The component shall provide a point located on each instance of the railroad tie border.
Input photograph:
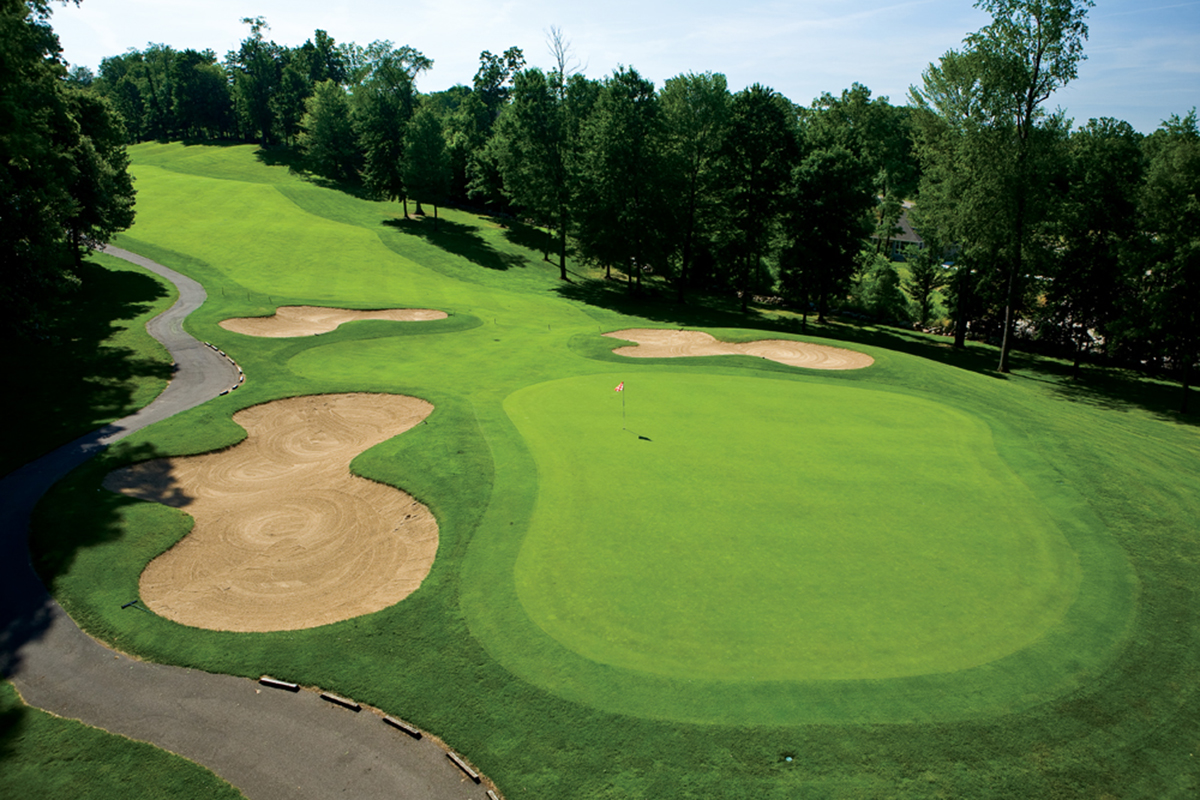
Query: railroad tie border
(274, 683)
(463, 765)
(241, 375)
(344, 702)
(402, 725)
(411, 730)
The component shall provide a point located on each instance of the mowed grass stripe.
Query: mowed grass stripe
(267, 245)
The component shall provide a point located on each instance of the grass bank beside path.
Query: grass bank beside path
(44, 756)
(1045, 527)
(93, 364)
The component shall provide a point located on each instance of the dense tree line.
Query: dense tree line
(1083, 241)
(64, 187)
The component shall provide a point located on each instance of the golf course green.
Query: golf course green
(732, 579)
(690, 553)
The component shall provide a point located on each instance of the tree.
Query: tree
(63, 184)
(426, 165)
(465, 124)
(759, 153)
(321, 60)
(619, 169)
(257, 69)
(1169, 208)
(696, 114)
(202, 103)
(826, 224)
(879, 135)
(988, 102)
(287, 104)
(532, 154)
(101, 188)
(493, 79)
(361, 63)
(925, 276)
(1095, 229)
(327, 136)
(876, 290)
(383, 106)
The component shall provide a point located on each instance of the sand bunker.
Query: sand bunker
(285, 537)
(312, 320)
(670, 343)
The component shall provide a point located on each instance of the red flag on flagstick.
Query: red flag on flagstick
(620, 387)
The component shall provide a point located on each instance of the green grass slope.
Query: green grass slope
(916, 580)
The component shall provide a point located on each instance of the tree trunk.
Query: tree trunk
(562, 246)
(960, 312)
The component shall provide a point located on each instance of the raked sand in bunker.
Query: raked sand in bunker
(672, 343)
(285, 536)
(289, 321)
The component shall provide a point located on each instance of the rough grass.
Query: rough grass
(1106, 702)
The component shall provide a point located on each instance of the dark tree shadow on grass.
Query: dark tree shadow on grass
(70, 381)
(527, 236)
(73, 515)
(460, 240)
(297, 164)
(13, 721)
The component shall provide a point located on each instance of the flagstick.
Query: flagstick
(622, 406)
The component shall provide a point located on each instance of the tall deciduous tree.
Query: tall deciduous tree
(760, 150)
(879, 135)
(493, 80)
(426, 164)
(102, 195)
(826, 223)
(926, 275)
(1097, 224)
(619, 170)
(696, 114)
(327, 136)
(1170, 217)
(988, 101)
(532, 150)
(257, 68)
(202, 104)
(383, 107)
(63, 184)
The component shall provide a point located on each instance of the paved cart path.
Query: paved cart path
(268, 742)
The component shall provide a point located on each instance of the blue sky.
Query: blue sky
(1143, 57)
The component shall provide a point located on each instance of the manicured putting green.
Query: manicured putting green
(750, 529)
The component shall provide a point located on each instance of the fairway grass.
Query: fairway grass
(911, 580)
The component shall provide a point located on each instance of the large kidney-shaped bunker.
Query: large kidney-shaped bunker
(285, 537)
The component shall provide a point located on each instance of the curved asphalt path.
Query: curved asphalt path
(267, 742)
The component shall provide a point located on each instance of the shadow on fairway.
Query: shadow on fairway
(527, 236)
(68, 377)
(1106, 388)
(458, 239)
(77, 513)
(13, 721)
